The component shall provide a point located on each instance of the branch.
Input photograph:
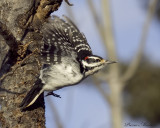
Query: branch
(68, 3)
(96, 19)
(57, 118)
(109, 41)
(106, 33)
(107, 30)
(98, 85)
(134, 64)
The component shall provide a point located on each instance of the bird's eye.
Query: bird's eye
(97, 60)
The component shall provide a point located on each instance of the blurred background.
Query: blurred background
(126, 94)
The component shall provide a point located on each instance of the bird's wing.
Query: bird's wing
(78, 40)
(62, 38)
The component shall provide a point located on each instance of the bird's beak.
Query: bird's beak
(108, 62)
(103, 61)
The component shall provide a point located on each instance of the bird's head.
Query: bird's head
(93, 63)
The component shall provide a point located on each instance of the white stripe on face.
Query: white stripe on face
(93, 57)
(90, 72)
(94, 64)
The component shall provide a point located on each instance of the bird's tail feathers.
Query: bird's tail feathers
(32, 95)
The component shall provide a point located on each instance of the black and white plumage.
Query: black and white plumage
(66, 57)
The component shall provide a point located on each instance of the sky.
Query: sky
(82, 106)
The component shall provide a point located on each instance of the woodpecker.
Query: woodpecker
(66, 58)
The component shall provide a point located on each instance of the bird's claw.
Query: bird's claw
(53, 94)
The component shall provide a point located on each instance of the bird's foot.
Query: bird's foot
(53, 94)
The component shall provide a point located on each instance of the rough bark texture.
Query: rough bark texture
(20, 25)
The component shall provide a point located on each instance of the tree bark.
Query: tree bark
(20, 37)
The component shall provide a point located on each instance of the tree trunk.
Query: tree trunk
(20, 24)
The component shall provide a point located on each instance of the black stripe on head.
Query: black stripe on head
(93, 59)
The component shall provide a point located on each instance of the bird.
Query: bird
(66, 59)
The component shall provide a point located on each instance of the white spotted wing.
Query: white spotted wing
(62, 38)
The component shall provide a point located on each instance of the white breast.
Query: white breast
(60, 75)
